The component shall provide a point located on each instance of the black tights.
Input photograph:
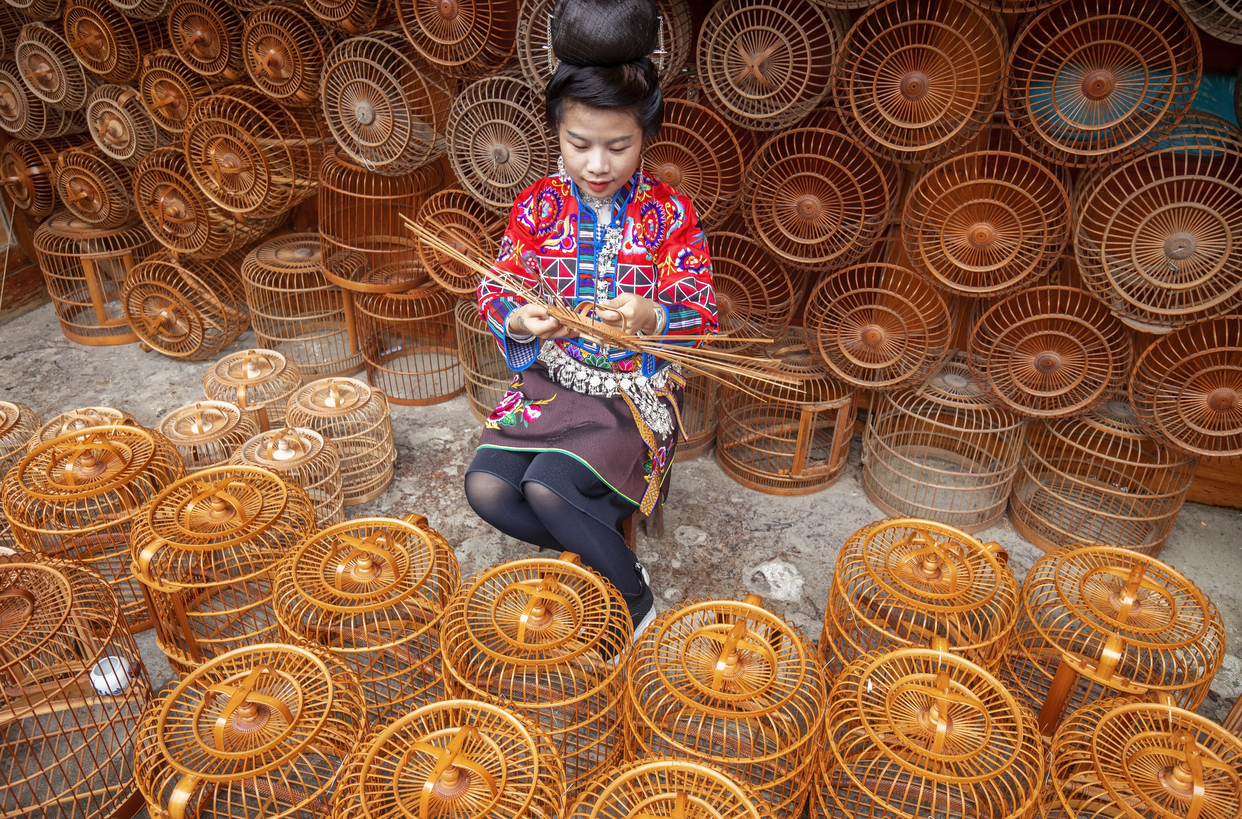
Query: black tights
(555, 502)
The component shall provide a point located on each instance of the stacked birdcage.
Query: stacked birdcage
(93, 189)
(259, 382)
(409, 343)
(18, 423)
(207, 433)
(304, 457)
(667, 787)
(483, 365)
(169, 87)
(77, 420)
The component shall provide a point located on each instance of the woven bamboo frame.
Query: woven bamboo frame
(905, 582)
(142, 9)
(169, 88)
(1104, 81)
(460, 754)
(286, 718)
(942, 451)
(29, 172)
(373, 592)
(18, 423)
(731, 684)
(1099, 622)
(409, 344)
(1099, 478)
(50, 69)
(94, 190)
(295, 309)
(25, 116)
(109, 44)
(121, 125)
(507, 641)
(186, 309)
(207, 37)
(456, 216)
(76, 421)
(697, 154)
(353, 17)
(207, 433)
(11, 22)
(357, 419)
(667, 787)
(483, 363)
(754, 293)
(466, 39)
(77, 495)
(959, 742)
(205, 550)
(258, 381)
(700, 417)
(39, 10)
(1220, 18)
(285, 48)
(302, 456)
(69, 740)
(85, 270)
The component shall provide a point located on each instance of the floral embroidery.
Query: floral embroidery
(656, 460)
(515, 407)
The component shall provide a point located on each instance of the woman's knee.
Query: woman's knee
(487, 494)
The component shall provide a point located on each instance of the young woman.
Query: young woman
(585, 435)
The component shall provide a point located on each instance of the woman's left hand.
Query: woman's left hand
(628, 312)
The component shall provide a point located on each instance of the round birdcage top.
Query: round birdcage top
(78, 420)
(37, 9)
(754, 294)
(90, 462)
(456, 216)
(18, 423)
(248, 368)
(200, 423)
(38, 596)
(29, 172)
(64, 234)
(24, 115)
(50, 69)
(285, 47)
(104, 40)
(953, 385)
(120, 125)
(207, 37)
(697, 154)
(667, 787)
(464, 38)
(282, 449)
(297, 253)
(169, 89)
(93, 189)
(791, 355)
(333, 397)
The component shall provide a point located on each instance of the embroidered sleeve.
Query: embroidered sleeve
(518, 257)
(684, 278)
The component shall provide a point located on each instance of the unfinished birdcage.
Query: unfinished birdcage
(259, 731)
(304, 457)
(754, 294)
(1098, 622)
(1101, 81)
(546, 639)
(483, 364)
(295, 309)
(181, 217)
(786, 440)
(108, 43)
(28, 170)
(121, 125)
(74, 693)
(187, 309)
(733, 685)
(466, 39)
(373, 592)
(85, 270)
(409, 344)
(1099, 478)
(25, 116)
(1050, 352)
(497, 140)
(921, 732)
(206, 549)
(700, 416)
(697, 154)
(169, 88)
(904, 582)
(816, 199)
(1220, 18)
(464, 758)
(77, 495)
(387, 109)
(18, 423)
(251, 155)
(986, 223)
(76, 421)
(942, 450)
(207, 433)
(207, 36)
(356, 418)
(1186, 389)
(457, 217)
(258, 381)
(94, 190)
(766, 66)
(50, 69)
(360, 219)
(285, 48)
(878, 326)
(667, 787)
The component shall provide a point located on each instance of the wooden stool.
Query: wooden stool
(653, 525)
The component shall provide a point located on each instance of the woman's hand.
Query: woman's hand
(532, 319)
(628, 312)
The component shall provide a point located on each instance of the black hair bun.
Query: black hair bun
(604, 32)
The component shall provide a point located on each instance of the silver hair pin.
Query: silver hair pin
(547, 46)
(659, 53)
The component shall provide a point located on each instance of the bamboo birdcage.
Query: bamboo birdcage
(373, 592)
(85, 270)
(387, 109)
(768, 65)
(11, 22)
(258, 381)
(259, 731)
(905, 582)
(74, 693)
(497, 141)
(28, 172)
(76, 421)
(409, 344)
(304, 457)
(207, 433)
(185, 308)
(169, 88)
(1101, 81)
(942, 450)
(921, 732)
(353, 17)
(23, 115)
(667, 787)
(754, 293)
(142, 9)
(816, 199)
(697, 154)
(1050, 352)
(18, 423)
(285, 48)
(207, 36)
(356, 418)
(360, 219)
(77, 495)
(781, 440)
(733, 685)
(1220, 18)
(295, 309)
(539, 637)
(1099, 478)
(1186, 388)
(121, 125)
(483, 364)
(466, 39)
(456, 216)
(700, 417)
(1099, 622)
(50, 69)
(453, 756)
(179, 215)
(38, 10)
(94, 190)
(205, 551)
(251, 155)
(108, 43)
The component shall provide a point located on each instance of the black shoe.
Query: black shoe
(642, 607)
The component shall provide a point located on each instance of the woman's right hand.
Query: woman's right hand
(532, 319)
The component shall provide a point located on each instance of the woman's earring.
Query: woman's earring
(560, 169)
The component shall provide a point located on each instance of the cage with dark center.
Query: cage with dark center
(93, 189)
(483, 366)
(258, 381)
(304, 457)
(409, 344)
(285, 48)
(466, 39)
(23, 115)
(75, 421)
(207, 433)
(457, 217)
(50, 69)
(207, 36)
(28, 172)
(169, 88)
(18, 423)
(107, 42)
(373, 592)
(667, 787)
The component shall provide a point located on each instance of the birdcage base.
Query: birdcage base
(108, 554)
(1096, 516)
(414, 376)
(915, 470)
(763, 461)
(690, 448)
(74, 321)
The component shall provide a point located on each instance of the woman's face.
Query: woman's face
(602, 148)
